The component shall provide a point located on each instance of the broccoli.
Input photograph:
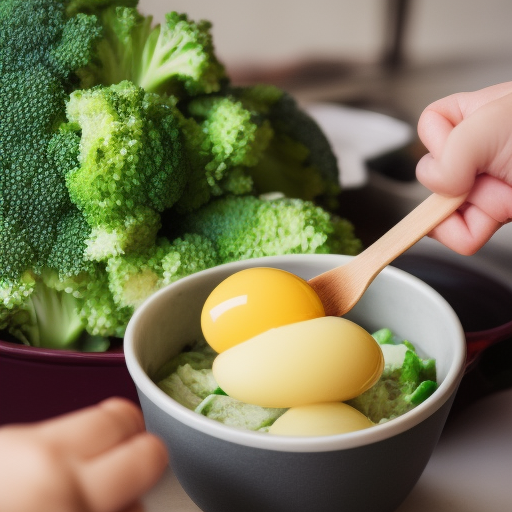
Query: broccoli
(256, 140)
(132, 278)
(41, 51)
(298, 161)
(36, 66)
(99, 312)
(46, 314)
(176, 57)
(180, 53)
(407, 380)
(250, 227)
(223, 139)
(130, 166)
(128, 161)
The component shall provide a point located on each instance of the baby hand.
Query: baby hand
(469, 137)
(99, 459)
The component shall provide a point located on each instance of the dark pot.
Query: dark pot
(38, 383)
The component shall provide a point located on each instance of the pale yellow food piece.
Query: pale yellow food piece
(327, 359)
(324, 419)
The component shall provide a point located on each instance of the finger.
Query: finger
(435, 125)
(93, 430)
(493, 196)
(454, 170)
(466, 233)
(119, 477)
(488, 208)
(479, 144)
(439, 118)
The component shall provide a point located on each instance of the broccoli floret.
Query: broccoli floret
(118, 54)
(132, 165)
(98, 310)
(233, 136)
(174, 58)
(44, 316)
(223, 139)
(249, 227)
(134, 277)
(188, 254)
(179, 54)
(299, 160)
(256, 140)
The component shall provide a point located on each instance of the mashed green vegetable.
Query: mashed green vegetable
(407, 380)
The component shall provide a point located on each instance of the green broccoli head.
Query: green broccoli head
(41, 310)
(131, 165)
(249, 227)
(299, 160)
(38, 66)
(133, 278)
(256, 140)
(176, 57)
(179, 55)
(223, 139)
(118, 53)
(13, 296)
(100, 313)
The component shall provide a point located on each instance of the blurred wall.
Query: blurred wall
(273, 31)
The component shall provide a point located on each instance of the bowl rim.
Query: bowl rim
(159, 398)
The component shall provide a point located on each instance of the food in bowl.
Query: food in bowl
(406, 381)
(278, 349)
(278, 364)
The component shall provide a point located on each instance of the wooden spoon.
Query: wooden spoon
(339, 289)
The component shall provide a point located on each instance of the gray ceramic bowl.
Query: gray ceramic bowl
(228, 470)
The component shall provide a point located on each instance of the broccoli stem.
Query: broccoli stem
(52, 319)
(165, 60)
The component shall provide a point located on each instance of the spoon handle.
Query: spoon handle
(340, 288)
(412, 228)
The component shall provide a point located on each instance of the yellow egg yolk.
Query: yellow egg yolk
(253, 301)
